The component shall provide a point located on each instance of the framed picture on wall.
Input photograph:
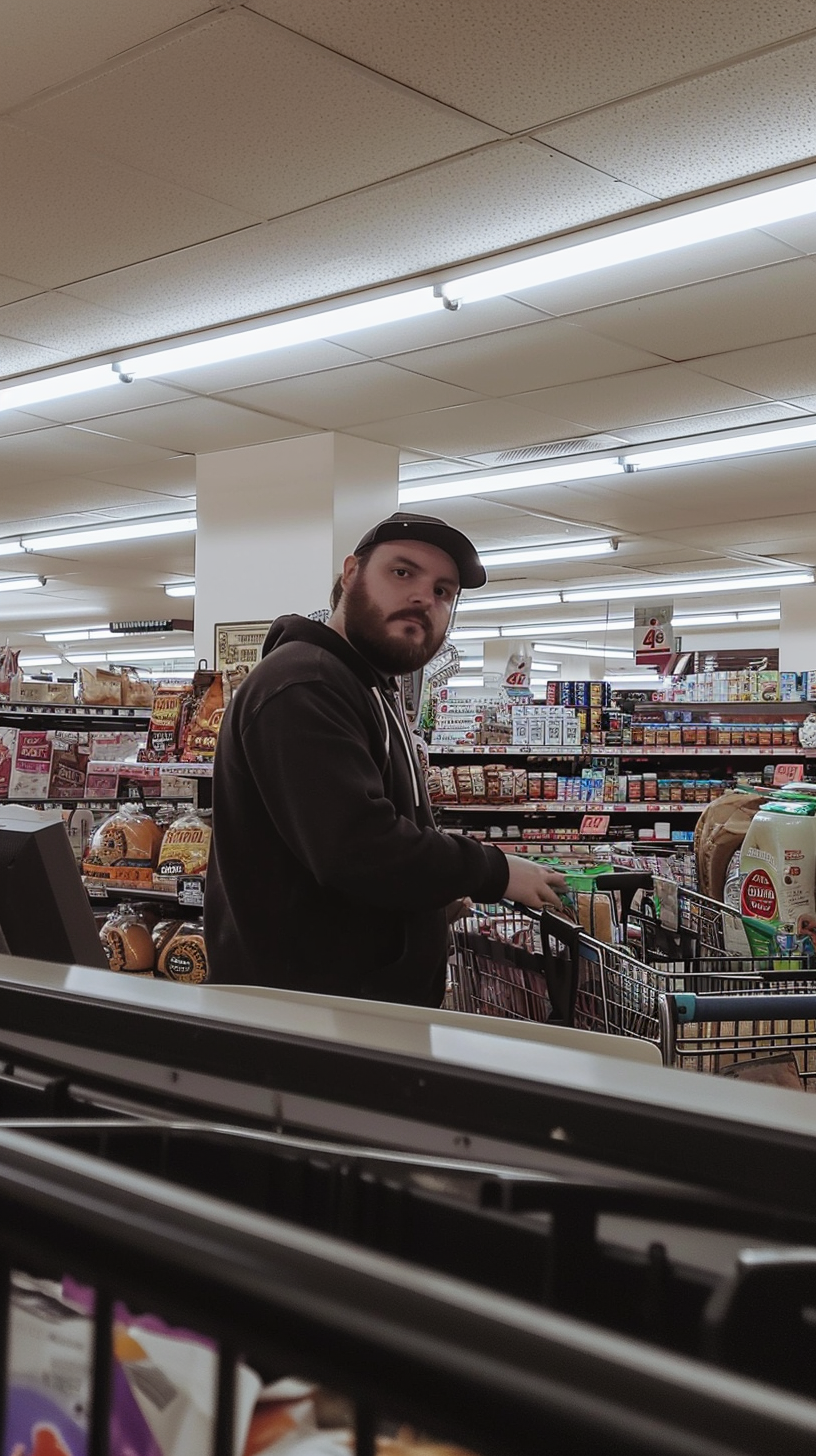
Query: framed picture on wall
(239, 644)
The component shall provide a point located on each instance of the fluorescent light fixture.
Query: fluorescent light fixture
(473, 634)
(39, 661)
(539, 667)
(457, 485)
(151, 654)
(633, 679)
(519, 555)
(575, 624)
(725, 619)
(465, 682)
(328, 324)
(21, 583)
(181, 672)
(643, 240)
(97, 535)
(746, 444)
(86, 656)
(59, 386)
(688, 586)
(11, 548)
(511, 600)
(77, 634)
(585, 649)
(181, 589)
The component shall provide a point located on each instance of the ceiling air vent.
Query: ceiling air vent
(524, 454)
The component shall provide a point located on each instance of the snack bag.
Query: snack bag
(50, 1358)
(204, 714)
(163, 734)
(32, 765)
(186, 845)
(69, 765)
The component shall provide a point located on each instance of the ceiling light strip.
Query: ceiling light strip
(687, 586)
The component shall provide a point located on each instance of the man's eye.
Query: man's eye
(401, 570)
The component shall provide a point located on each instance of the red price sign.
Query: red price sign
(788, 773)
(594, 824)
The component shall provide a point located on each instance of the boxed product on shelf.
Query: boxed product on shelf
(31, 690)
(8, 749)
(31, 769)
(69, 765)
(116, 746)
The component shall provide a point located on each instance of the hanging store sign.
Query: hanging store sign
(239, 644)
(655, 642)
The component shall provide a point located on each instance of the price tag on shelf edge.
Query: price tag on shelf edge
(594, 824)
(191, 891)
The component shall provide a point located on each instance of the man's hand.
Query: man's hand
(533, 884)
(458, 909)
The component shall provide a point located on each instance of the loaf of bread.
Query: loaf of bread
(127, 942)
(127, 837)
(184, 956)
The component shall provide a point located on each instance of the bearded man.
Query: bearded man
(327, 872)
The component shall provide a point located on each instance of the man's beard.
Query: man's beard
(367, 630)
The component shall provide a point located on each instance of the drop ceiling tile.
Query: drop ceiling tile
(174, 477)
(783, 370)
(67, 449)
(496, 198)
(219, 95)
(276, 364)
(17, 422)
(99, 402)
(530, 357)
(339, 398)
(85, 214)
(492, 424)
(45, 45)
(759, 307)
(198, 426)
(665, 392)
(693, 264)
(806, 402)
(735, 121)
(59, 501)
(17, 356)
(728, 419)
(799, 233)
(11, 289)
(528, 62)
(67, 325)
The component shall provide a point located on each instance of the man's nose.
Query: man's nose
(421, 591)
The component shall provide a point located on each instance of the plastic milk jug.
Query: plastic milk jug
(778, 866)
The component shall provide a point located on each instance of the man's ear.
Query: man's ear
(351, 566)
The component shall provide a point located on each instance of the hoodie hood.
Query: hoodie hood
(303, 629)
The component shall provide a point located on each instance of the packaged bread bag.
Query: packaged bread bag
(184, 955)
(127, 941)
(124, 850)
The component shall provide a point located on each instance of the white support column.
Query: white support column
(276, 521)
(797, 628)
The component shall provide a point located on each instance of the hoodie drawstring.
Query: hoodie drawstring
(386, 708)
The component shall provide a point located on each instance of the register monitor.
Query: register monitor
(44, 910)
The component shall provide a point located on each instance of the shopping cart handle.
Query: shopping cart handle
(626, 883)
(744, 1008)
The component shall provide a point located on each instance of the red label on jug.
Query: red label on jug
(759, 896)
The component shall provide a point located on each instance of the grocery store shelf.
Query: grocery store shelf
(502, 750)
(150, 770)
(74, 710)
(574, 806)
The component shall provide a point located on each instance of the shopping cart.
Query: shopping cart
(499, 966)
(762, 1037)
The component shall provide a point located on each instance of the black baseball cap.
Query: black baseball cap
(404, 527)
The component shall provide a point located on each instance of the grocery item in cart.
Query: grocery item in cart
(778, 866)
(720, 830)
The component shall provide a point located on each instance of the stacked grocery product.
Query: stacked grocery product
(186, 717)
(744, 686)
(741, 734)
(498, 784)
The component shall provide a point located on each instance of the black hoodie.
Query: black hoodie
(327, 872)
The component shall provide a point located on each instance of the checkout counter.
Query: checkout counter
(506, 1238)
